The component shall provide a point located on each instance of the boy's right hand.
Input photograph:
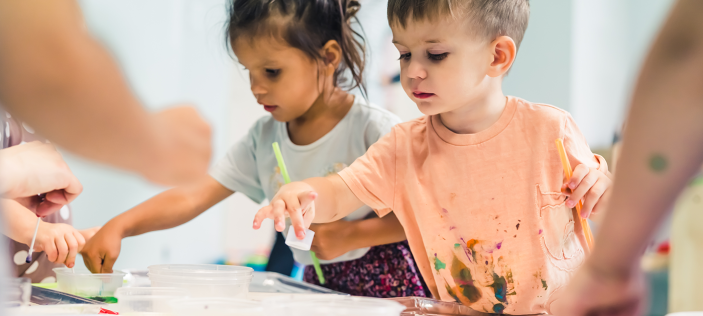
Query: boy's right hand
(295, 200)
(60, 242)
(101, 251)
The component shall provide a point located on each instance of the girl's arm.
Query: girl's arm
(337, 238)
(166, 210)
(332, 198)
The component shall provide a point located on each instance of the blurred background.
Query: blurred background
(579, 55)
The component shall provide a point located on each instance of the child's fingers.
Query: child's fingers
(279, 215)
(580, 191)
(92, 261)
(50, 250)
(80, 239)
(261, 215)
(577, 176)
(593, 196)
(72, 243)
(107, 263)
(308, 206)
(62, 249)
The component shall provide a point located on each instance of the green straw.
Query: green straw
(286, 179)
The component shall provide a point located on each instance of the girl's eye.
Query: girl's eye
(273, 72)
(437, 57)
(405, 56)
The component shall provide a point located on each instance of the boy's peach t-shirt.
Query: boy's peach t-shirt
(483, 213)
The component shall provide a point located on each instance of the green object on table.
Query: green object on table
(50, 286)
(286, 179)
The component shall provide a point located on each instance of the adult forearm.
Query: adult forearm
(663, 141)
(52, 67)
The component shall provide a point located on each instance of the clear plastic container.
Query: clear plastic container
(217, 307)
(17, 292)
(203, 280)
(100, 286)
(148, 300)
(312, 305)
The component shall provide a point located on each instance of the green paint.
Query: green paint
(544, 284)
(457, 246)
(697, 181)
(104, 299)
(438, 264)
(498, 308)
(658, 163)
(462, 278)
(451, 292)
(500, 287)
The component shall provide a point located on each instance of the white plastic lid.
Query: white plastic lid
(201, 270)
(331, 305)
(293, 241)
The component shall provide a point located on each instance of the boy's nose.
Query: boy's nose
(256, 88)
(416, 70)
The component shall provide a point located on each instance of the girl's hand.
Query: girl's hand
(60, 242)
(589, 184)
(102, 250)
(295, 200)
(89, 233)
(332, 239)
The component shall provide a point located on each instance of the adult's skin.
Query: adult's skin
(662, 150)
(36, 167)
(61, 82)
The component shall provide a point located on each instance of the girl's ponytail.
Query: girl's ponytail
(353, 44)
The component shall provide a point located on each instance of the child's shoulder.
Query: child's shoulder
(540, 112)
(373, 114)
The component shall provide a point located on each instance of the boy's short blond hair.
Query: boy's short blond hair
(491, 18)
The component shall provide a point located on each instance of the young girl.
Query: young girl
(296, 52)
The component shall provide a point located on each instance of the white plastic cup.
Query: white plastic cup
(293, 241)
(148, 300)
(203, 280)
(217, 307)
(82, 283)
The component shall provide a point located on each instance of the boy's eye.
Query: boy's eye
(437, 57)
(405, 56)
(273, 72)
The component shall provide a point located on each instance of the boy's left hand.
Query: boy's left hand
(590, 185)
(331, 239)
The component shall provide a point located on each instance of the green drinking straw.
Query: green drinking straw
(286, 179)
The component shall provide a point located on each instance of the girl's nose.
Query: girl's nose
(256, 88)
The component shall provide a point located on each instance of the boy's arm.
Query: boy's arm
(321, 200)
(166, 210)
(662, 150)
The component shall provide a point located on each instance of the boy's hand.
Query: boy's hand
(590, 185)
(101, 252)
(296, 200)
(60, 242)
(89, 233)
(332, 239)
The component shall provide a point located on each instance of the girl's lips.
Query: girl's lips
(270, 108)
(422, 95)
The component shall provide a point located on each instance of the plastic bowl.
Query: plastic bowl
(292, 305)
(99, 286)
(203, 280)
(217, 307)
(17, 292)
(145, 300)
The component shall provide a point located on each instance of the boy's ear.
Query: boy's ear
(504, 51)
(332, 55)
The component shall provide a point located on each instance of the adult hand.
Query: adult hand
(184, 147)
(595, 292)
(36, 168)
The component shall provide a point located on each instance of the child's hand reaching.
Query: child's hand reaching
(590, 185)
(102, 249)
(60, 242)
(332, 239)
(295, 200)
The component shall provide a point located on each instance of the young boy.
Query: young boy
(477, 183)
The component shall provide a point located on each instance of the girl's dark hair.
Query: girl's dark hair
(306, 25)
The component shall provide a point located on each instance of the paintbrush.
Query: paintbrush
(42, 198)
(286, 179)
(569, 173)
